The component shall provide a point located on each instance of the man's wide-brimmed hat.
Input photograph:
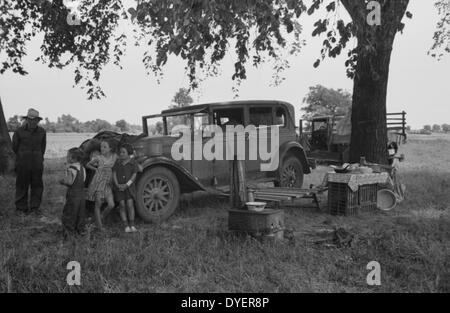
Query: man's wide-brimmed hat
(32, 114)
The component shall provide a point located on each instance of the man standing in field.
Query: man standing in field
(29, 142)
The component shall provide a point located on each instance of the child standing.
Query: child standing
(73, 216)
(124, 175)
(100, 188)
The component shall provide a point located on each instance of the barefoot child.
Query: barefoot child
(73, 216)
(124, 175)
(100, 188)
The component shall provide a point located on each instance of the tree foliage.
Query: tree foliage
(202, 32)
(69, 124)
(442, 35)
(123, 126)
(436, 128)
(182, 98)
(198, 31)
(13, 123)
(89, 46)
(326, 101)
(445, 128)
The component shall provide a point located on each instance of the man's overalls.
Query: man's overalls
(73, 217)
(29, 147)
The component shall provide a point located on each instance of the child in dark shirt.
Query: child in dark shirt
(73, 215)
(124, 176)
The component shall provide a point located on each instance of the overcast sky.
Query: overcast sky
(418, 83)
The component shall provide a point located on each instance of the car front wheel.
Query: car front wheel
(157, 194)
(291, 173)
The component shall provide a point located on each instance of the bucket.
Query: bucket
(256, 206)
(386, 200)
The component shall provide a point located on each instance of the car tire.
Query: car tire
(290, 173)
(157, 194)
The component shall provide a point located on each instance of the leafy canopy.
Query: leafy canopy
(442, 35)
(201, 32)
(326, 101)
(198, 31)
(182, 98)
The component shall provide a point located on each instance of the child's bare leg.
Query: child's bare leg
(111, 205)
(98, 216)
(123, 214)
(130, 209)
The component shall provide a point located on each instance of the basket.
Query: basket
(343, 201)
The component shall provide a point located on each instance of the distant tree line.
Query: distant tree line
(429, 129)
(436, 128)
(69, 124)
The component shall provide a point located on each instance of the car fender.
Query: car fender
(188, 182)
(296, 149)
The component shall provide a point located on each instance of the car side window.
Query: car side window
(230, 116)
(261, 116)
(280, 117)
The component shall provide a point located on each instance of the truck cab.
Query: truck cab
(326, 138)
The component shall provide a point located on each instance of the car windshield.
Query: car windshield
(155, 126)
(177, 121)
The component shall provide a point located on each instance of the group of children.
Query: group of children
(114, 180)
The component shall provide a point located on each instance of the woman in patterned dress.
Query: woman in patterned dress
(100, 188)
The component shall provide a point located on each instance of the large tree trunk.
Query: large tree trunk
(369, 132)
(6, 153)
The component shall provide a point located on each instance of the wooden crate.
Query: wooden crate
(260, 223)
(344, 201)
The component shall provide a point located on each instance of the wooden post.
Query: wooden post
(404, 123)
(233, 200)
(242, 182)
(238, 186)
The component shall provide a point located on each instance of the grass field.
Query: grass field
(194, 252)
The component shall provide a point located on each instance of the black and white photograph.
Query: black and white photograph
(224, 153)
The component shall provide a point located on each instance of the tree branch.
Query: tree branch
(356, 9)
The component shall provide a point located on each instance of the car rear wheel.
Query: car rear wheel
(291, 173)
(157, 194)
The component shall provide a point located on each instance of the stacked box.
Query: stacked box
(343, 201)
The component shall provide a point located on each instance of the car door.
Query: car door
(260, 117)
(200, 166)
(286, 127)
(223, 117)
